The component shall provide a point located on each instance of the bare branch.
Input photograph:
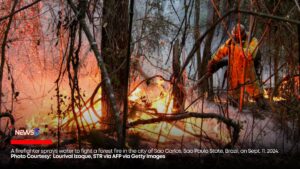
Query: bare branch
(168, 118)
(19, 10)
(297, 4)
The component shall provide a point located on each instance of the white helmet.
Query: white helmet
(238, 31)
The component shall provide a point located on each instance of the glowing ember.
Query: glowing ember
(277, 98)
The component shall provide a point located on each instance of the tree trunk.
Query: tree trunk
(208, 83)
(178, 91)
(114, 44)
(276, 62)
(107, 86)
(197, 36)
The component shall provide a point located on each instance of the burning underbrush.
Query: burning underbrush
(153, 123)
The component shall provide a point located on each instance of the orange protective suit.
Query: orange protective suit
(238, 58)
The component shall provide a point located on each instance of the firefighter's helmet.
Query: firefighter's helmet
(238, 31)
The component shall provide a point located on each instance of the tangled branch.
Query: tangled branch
(166, 118)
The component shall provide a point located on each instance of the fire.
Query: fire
(164, 104)
(88, 117)
(136, 94)
(157, 97)
(275, 98)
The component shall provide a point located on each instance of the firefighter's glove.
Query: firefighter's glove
(211, 67)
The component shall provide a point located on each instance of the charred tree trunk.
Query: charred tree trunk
(178, 86)
(298, 30)
(178, 91)
(276, 62)
(208, 83)
(127, 77)
(107, 85)
(114, 44)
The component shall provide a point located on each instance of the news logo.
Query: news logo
(36, 132)
(23, 132)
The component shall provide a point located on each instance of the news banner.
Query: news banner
(152, 153)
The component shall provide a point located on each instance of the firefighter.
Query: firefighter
(241, 72)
